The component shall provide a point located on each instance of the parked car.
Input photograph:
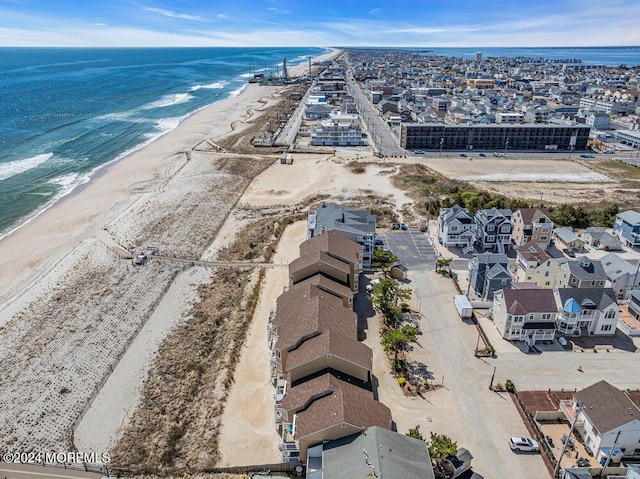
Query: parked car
(418, 152)
(569, 252)
(395, 226)
(463, 155)
(482, 155)
(524, 444)
(403, 226)
(587, 156)
(379, 241)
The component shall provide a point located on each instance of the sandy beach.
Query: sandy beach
(80, 325)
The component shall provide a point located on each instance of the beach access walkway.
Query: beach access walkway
(213, 264)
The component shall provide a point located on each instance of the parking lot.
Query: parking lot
(411, 247)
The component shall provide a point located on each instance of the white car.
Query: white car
(523, 444)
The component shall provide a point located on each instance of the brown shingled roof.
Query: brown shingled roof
(314, 257)
(532, 252)
(288, 301)
(335, 243)
(314, 315)
(524, 301)
(606, 406)
(324, 283)
(529, 215)
(347, 403)
(333, 343)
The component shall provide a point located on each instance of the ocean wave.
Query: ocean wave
(67, 184)
(210, 86)
(12, 168)
(168, 100)
(236, 92)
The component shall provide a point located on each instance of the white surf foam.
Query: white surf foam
(168, 100)
(211, 86)
(12, 168)
(235, 93)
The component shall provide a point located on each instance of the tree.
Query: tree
(440, 447)
(383, 260)
(414, 432)
(396, 340)
(443, 263)
(385, 296)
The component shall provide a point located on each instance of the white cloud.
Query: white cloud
(169, 13)
(278, 10)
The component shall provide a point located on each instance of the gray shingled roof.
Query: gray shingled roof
(457, 212)
(333, 216)
(630, 216)
(498, 271)
(607, 407)
(586, 269)
(601, 297)
(393, 456)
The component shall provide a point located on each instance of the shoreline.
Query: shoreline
(87, 178)
(51, 298)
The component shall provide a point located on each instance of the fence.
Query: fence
(256, 468)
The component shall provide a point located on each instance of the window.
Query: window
(490, 227)
(606, 327)
(546, 274)
(546, 316)
(530, 315)
(610, 314)
(454, 228)
(528, 278)
(547, 283)
(543, 237)
(503, 282)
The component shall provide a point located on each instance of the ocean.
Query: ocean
(64, 112)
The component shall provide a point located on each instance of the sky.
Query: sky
(417, 23)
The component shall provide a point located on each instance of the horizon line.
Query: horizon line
(311, 46)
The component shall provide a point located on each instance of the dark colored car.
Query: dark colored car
(395, 226)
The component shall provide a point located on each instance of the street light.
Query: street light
(506, 145)
(441, 142)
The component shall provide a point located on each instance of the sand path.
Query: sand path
(248, 435)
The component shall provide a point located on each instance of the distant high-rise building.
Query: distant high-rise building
(478, 57)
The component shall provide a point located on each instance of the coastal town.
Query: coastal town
(378, 263)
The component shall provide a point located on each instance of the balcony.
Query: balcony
(566, 407)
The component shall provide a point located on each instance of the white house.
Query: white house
(456, 227)
(525, 314)
(587, 311)
(605, 415)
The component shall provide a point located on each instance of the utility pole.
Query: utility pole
(606, 463)
(566, 442)
(492, 377)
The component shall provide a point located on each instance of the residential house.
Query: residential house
(599, 238)
(627, 227)
(332, 132)
(534, 265)
(489, 272)
(634, 303)
(493, 229)
(525, 314)
(300, 318)
(329, 285)
(587, 311)
(606, 417)
(373, 452)
(332, 254)
(531, 224)
(621, 275)
(357, 225)
(582, 273)
(456, 227)
(328, 407)
(566, 238)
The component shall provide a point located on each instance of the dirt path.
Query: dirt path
(248, 434)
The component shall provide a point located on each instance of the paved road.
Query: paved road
(385, 141)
